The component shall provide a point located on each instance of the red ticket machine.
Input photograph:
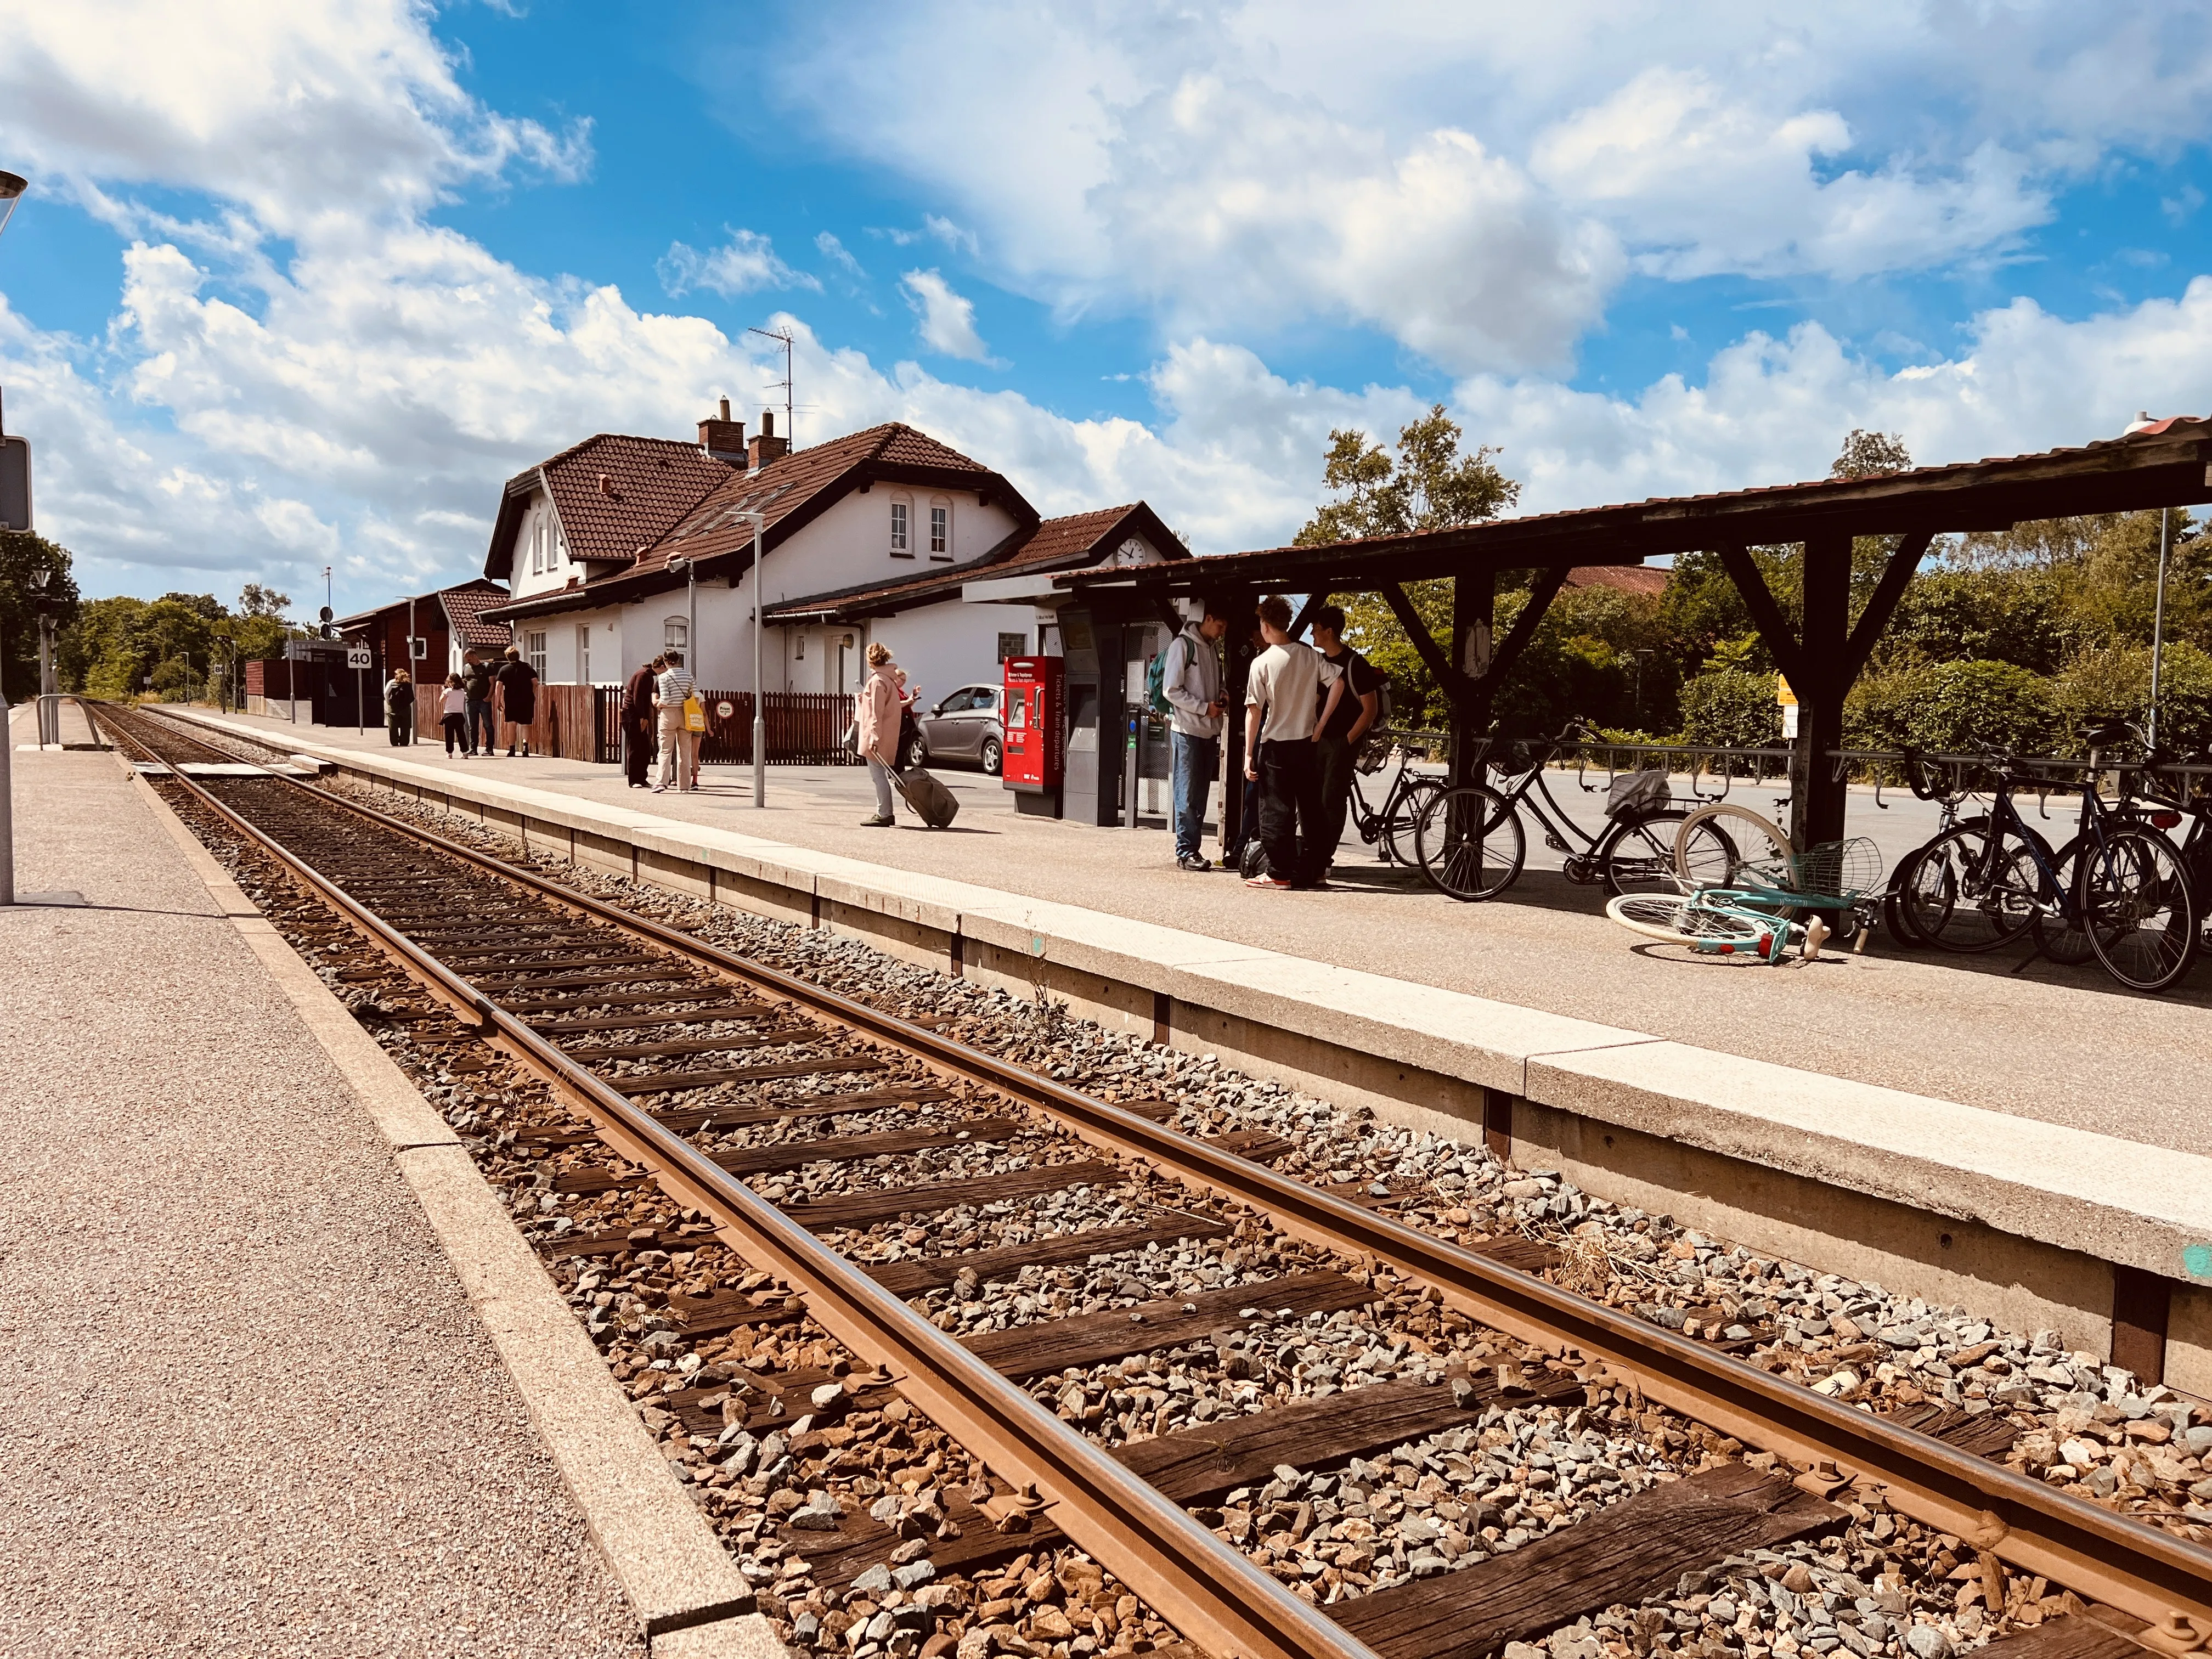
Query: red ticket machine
(1036, 732)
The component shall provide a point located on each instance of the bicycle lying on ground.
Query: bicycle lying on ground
(2119, 890)
(1471, 844)
(1770, 901)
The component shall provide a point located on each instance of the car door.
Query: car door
(944, 729)
(975, 712)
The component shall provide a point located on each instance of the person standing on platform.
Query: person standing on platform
(679, 745)
(637, 722)
(878, 717)
(477, 680)
(1282, 706)
(517, 690)
(1352, 715)
(1190, 680)
(453, 714)
(399, 708)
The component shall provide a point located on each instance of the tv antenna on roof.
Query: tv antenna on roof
(783, 386)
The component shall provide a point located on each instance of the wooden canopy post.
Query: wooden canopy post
(1475, 602)
(1237, 653)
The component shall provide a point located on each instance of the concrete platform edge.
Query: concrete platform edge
(1782, 1160)
(681, 1583)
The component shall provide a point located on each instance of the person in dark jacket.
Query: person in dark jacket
(477, 681)
(637, 722)
(518, 688)
(399, 708)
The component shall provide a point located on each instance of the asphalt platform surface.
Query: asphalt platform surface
(2008, 1031)
(249, 1411)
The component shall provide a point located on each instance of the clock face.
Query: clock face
(1132, 551)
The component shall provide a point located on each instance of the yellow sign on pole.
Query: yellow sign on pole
(1783, 695)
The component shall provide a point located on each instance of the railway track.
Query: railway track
(716, 1079)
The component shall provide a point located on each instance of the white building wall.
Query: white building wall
(851, 543)
(950, 644)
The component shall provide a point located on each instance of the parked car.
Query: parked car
(967, 725)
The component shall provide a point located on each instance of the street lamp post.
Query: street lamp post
(760, 709)
(50, 703)
(2158, 606)
(12, 186)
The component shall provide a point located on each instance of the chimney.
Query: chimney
(767, 446)
(723, 438)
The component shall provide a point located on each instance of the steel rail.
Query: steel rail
(2138, 1568)
(1213, 1594)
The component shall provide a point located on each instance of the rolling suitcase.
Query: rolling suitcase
(931, 801)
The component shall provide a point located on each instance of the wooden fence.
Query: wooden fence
(804, 728)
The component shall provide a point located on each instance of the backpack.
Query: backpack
(1156, 672)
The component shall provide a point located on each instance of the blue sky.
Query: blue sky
(302, 283)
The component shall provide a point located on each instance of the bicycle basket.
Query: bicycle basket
(1840, 869)
(1636, 792)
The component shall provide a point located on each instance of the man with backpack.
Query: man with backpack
(1355, 711)
(1186, 687)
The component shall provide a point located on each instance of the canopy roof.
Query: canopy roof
(2168, 464)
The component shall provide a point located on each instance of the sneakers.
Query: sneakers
(1273, 884)
(1193, 861)
(877, 821)
(660, 789)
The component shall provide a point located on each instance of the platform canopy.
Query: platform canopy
(2165, 464)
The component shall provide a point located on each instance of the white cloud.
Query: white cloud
(745, 262)
(947, 321)
(839, 255)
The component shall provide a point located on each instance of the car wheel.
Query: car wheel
(917, 753)
(993, 757)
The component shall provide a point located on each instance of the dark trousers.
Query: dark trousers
(1337, 759)
(1289, 811)
(457, 736)
(480, 722)
(398, 728)
(637, 748)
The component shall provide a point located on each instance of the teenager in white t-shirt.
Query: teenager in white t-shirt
(1282, 708)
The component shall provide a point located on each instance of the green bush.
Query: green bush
(1954, 708)
(1731, 709)
(2115, 684)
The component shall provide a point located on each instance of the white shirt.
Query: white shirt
(1285, 681)
(669, 690)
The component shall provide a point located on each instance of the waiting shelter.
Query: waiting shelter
(2165, 464)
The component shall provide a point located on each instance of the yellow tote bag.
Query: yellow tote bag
(695, 714)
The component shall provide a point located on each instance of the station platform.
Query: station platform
(264, 1395)
(2025, 1142)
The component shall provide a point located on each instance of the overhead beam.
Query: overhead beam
(1458, 686)
(1304, 620)
(1508, 649)
(1881, 603)
(1765, 615)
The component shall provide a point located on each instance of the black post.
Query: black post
(1817, 796)
(1236, 655)
(1474, 600)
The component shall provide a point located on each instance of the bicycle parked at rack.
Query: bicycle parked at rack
(2118, 891)
(1389, 829)
(1471, 843)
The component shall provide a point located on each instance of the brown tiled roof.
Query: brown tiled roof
(1078, 539)
(650, 483)
(791, 490)
(465, 608)
(1628, 578)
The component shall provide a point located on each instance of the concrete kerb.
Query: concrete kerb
(682, 1585)
(1835, 1172)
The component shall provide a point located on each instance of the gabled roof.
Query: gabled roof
(614, 494)
(1072, 543)
(792, 491)
(471, 598)
(465, 608)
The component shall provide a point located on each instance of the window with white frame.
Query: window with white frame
(902, 529)
(536, 546)
(941, 530)
(676, 635)
(533, 647)
(583, 653)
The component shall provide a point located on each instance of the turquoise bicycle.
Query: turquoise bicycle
(1770, 908)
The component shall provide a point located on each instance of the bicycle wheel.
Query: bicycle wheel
(1637, 853)
(1679, 919)
(1951, 903)
(2064, 939)
(1895, 918)
(1469, 843)
(1724, 845)
(2135, 901)
(1396, 837)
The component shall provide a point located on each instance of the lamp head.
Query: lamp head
(679, 564)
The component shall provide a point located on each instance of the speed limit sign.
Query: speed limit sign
(726, 708)
(359, 656)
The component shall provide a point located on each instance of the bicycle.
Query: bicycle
(2118, 891)
(1771, 905)
(1389, 829)
(1471, 844)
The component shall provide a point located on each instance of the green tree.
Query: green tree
(1428, 483)
(22, 556)
(1954, 708)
